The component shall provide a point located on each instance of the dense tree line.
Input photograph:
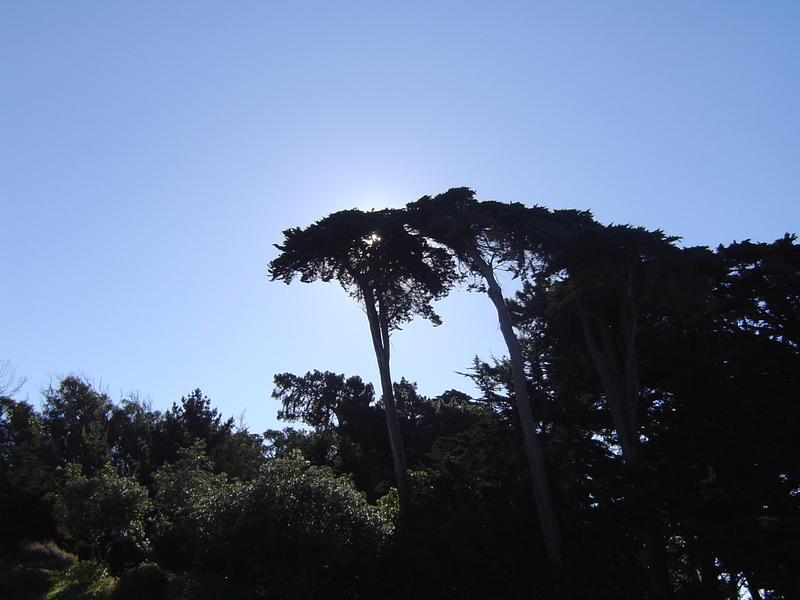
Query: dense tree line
(639, 441)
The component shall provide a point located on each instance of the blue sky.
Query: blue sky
(151, 153)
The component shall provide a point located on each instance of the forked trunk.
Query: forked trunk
(380, 341)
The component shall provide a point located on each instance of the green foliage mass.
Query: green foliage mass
(103, 510)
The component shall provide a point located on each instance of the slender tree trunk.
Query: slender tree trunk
(533, 447)
(380, 341)
(619, 377)
(732, 586)
(622, 394)
(755, 593)
(709, 577)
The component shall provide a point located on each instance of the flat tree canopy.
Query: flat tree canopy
(369, 254)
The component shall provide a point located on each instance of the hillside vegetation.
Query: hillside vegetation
(639, 441)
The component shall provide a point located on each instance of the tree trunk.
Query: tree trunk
(709, 575)
(755, 593)
(618, 379)
(533, 448)
(732, 586)
(380, 341)
(618, 373)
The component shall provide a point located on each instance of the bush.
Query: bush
(123, 554)
(296, 530)
(85, 580)
(45, 555)
(24, 583)
(202, 585)
(146, 580)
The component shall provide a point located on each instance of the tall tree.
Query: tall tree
(485, 236)
(608, 285)
(394, 274)
(76, 421)
(26, 476)
(761, 290)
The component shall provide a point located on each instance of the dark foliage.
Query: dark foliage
(663, 387)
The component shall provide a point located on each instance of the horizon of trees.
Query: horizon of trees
(660, 386)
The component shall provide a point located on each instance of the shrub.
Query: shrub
(296, 530)
(45, 555)
(203, 585)
(24, 583)
(146, 580)
(85, 580)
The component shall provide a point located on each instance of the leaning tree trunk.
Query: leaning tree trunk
(755, 592)
(616, 365)
(379, 329)
(533, 447)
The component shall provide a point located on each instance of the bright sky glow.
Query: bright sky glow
(151, 153)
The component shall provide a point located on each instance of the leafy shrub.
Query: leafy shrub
(103, 509)
(294, 531)
(45, 555)
(146, 580)
(84, 580)
(24, 583)
(203, 585)
(123, 554)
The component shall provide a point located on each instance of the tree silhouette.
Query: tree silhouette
(76, 420)
(485, 236)
(616, 281)
(663, 389)
(394, 274)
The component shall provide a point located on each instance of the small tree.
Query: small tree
(26, 476)
(10, 383)
(349, 429)
(76, 421)
(394, 274)
(104, 509)
(322, 400)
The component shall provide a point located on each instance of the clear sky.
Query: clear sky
(152, 152)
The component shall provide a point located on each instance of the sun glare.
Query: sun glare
(372, 239)
(368, 197)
